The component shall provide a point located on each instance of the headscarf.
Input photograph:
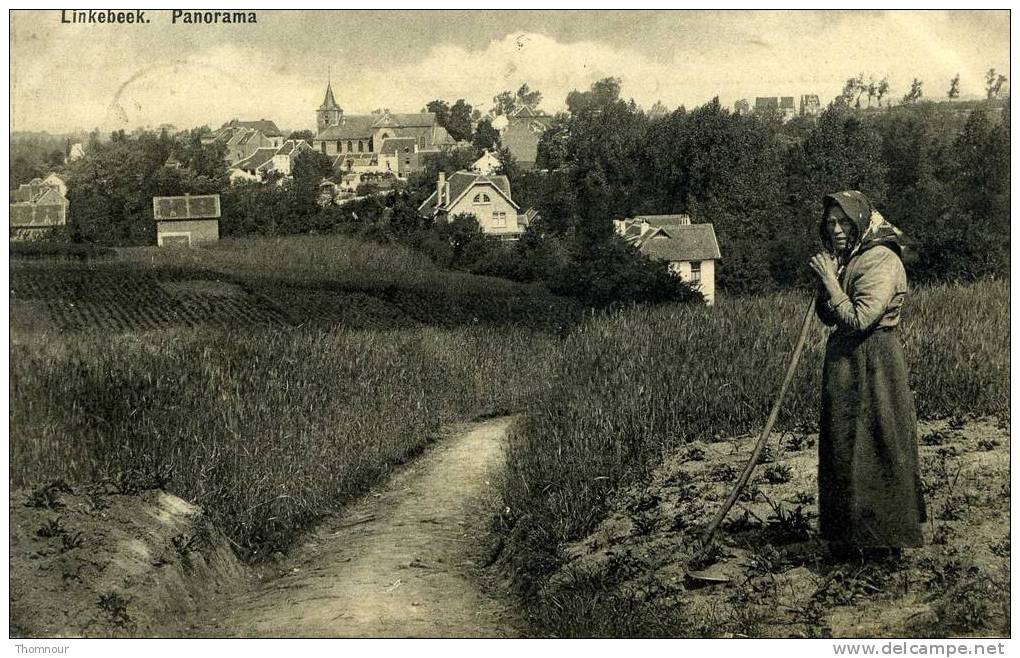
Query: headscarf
(872, 229)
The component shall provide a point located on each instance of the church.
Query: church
(360, 140)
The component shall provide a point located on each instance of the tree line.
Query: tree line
(941, 173)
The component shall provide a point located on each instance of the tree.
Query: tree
(311, 166)
(441, 109)
(916, 92)
(954, 87)
(507, 102)
(882, 90)
(458, 120)
(993, 83)
(486, 138)
(306, 135)
(602, 94)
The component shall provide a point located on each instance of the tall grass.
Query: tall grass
(634, 386)
(268, 430)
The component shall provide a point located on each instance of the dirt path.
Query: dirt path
(402, 562)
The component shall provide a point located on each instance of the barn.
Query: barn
(186, 221)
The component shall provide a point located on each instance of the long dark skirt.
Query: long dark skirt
(869, 486)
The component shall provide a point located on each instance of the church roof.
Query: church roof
(329, 103)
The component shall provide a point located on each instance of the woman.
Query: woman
(870, 500)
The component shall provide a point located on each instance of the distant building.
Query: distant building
(37, 208)
(690, 249)
(784, 106)
(810, 106)
(487, 164)
(75, 151)
(486, 197)
(56, 180)
(742, 107)
(362, 142)
(243, 138)
(523, 131)
(186, 221)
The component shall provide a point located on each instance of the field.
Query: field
(256, 391)
(273, 381)
(635, 389)
(325, 281)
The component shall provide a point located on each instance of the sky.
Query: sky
(67, 77)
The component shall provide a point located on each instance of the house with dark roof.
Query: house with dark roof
(37, 208)
(353, 136)
(486, 197)
(690, 249)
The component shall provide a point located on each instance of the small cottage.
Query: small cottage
(485, 197)
(690, 249)
(186, 221)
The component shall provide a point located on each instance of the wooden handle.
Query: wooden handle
(759, 447)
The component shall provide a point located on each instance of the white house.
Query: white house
(690, 249)
(485, 197)
(487, 164)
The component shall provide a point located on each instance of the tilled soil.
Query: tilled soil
(777, 579)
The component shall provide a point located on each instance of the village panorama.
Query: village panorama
(503, 324)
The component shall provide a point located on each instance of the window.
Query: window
(322, 147)
(421, 142)
(350, 146)
(481, 198)
(499, 219)
(696, 271)
(361, 146)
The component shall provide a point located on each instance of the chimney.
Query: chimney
(440, 187)
(685, 220)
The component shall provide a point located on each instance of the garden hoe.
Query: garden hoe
(759, 448)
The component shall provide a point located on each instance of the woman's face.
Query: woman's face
(838, 228)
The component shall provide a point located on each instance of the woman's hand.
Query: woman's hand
(824, 265)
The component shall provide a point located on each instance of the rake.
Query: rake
(759, 447)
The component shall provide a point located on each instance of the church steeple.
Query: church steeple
(329, 113)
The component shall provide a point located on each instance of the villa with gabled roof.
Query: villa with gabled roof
(486, 197)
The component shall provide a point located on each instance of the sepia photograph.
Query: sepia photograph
(510, 323)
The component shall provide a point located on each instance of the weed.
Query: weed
(693, 454)
(644, 502)
(51, 528)
(934, 438)
(48, 496)
(966, 604)
(70, 541)
(987, 444)
(777, 473)
(953, 509)
(803, 498)
(844, 588)
(943, 535)
(796, 441)
(1001, 547)
(116, 607)
(644, 524)
(722, 473)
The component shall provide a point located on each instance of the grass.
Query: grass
(267, 430)
(636, 386)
